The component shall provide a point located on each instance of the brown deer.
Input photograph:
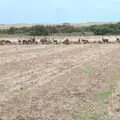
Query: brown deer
(66, 41)
(85, 41)
(8, 42)
(118, 40)
(55, 41)
(100, 42)
(24, 42)
(19, 42)
(105, 40)
(79, 41)
(4, 42)
(43, 41)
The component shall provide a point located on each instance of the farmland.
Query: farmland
(59, 82)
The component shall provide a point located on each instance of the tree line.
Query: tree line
(104, 29)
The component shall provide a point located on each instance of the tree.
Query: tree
(12, 30)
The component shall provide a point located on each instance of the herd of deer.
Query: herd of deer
(48, 41)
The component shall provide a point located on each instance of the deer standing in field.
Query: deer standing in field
(5, 42)
(79, 41)
(43, 41)
(117, 39)
(55, 41)
(105, 40)
(85, 41)
(66, 41)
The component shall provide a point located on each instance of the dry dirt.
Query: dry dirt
(50, 82)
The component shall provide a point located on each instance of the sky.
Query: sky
(58, 11)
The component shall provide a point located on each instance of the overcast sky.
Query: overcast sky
(58, 11)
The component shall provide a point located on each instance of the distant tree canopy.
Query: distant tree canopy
(104, 29)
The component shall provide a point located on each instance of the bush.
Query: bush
(104, 29)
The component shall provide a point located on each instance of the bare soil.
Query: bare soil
(60, 82)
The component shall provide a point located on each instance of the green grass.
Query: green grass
(116, 73)
(18, 91)
(86, 69)
(107, 93)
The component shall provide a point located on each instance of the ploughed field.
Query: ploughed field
(60, 82)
